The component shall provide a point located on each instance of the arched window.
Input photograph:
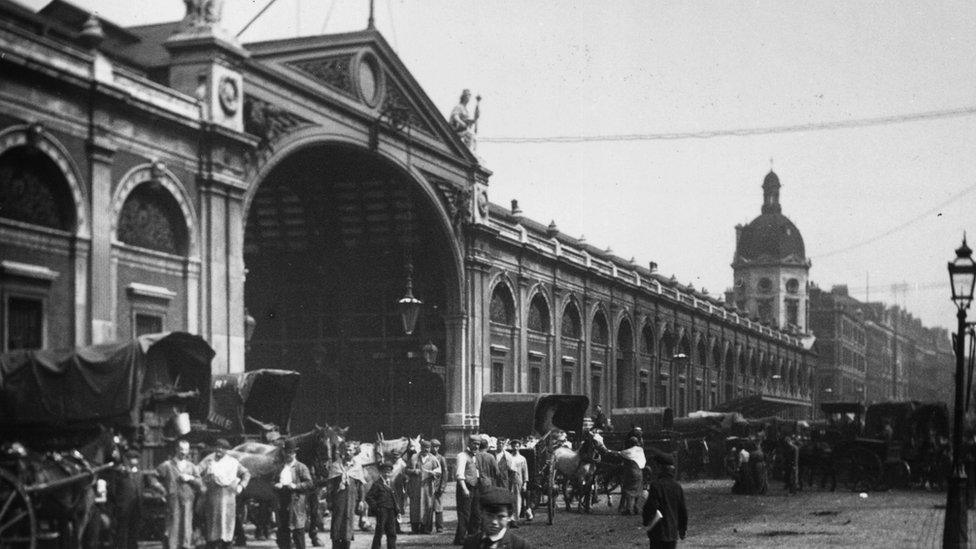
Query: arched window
(729, 364)
(151, 218)
(33, 190)
(717, 357)
(538, 315)
(502, 309)
(667, 344)
(684, 346)
(599, 333)
(647, 340)
(754, 364)
(571, 322)
(625, 337)
(702, 351)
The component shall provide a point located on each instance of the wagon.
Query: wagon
(523, 415)
(866, 458)
(254, 405)
(62, 414)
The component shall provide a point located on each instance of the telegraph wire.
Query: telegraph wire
(742, 132)
(328, 15)
(898, 227)
(255, 18)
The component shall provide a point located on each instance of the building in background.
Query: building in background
(871, 352)
(279, 198)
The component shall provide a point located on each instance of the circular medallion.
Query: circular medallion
(368, 78)
(229, 94)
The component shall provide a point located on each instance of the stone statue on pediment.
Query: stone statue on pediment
(203, 13)
(465, 125)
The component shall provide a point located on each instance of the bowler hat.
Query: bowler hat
(222, 444)
(435, 442)
(290, 446)
(664, 459)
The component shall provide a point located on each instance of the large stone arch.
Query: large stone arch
(504, 280)
(313, 136)
(157, 172)
(34, 135)
(538, 290)
(347, 172)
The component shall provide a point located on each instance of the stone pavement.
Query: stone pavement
(720, 519)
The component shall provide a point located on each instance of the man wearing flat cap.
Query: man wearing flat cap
(496, 506)
(665, 514)
(422, 471)
(439, 485)
(224, 478)
(293, 483)
(466, 473)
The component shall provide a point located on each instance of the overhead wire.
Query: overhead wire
(898, 227)
(328, 15)
(389, 9)
(742, 132)
(255, 18)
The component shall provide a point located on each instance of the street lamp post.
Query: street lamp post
(962, 275)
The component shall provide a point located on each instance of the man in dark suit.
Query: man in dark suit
(382, 503)
(665, 514)
(294, 483)
(496, 506)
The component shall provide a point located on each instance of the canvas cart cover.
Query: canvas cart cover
(908, 419)
(106, 383)
(518, 415)
(649, 419)
(264, 395)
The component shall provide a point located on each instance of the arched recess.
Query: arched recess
(149, 202)
(538, 323)
(46, 227)
(730, 368)
(599, 339)
(626, 375)
(332, 232)
(34, 137)
(572, 348)
(701, 351)
(62, 323)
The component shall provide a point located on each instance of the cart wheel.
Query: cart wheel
(18, 525)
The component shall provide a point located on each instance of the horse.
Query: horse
(369, 455)
(576, 469)
(264, 461)
(69, 506)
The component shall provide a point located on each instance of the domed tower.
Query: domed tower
(770, 267)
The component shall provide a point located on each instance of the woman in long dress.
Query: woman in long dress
(346, 498)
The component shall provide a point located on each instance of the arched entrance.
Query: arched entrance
(330, 231)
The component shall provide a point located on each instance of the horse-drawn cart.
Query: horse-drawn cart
(896, 443)
(254, 405)
(62, 415)
(535, 415)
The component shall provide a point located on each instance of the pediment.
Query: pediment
(360, 72)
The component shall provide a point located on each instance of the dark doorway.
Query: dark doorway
(329, 233)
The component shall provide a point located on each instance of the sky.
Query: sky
(881, 207)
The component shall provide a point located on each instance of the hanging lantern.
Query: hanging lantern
(408, 305)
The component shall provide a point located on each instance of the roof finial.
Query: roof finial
(770, 163)
(370, 24)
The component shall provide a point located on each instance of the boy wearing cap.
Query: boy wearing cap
(294, 481)
(439, 484)
(495, 506)
(383, 504)
(665, 514)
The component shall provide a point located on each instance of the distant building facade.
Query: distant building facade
(870, 352)
(278, 197)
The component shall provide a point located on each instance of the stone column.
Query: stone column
(101, 290)
(458, 380)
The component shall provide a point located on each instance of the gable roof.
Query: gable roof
(331, 65)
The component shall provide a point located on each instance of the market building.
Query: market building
(285, 199)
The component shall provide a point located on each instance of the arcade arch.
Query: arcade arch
(332, 233)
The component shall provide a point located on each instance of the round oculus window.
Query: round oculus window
(369, 86)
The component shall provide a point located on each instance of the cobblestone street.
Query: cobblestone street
(721, 519)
